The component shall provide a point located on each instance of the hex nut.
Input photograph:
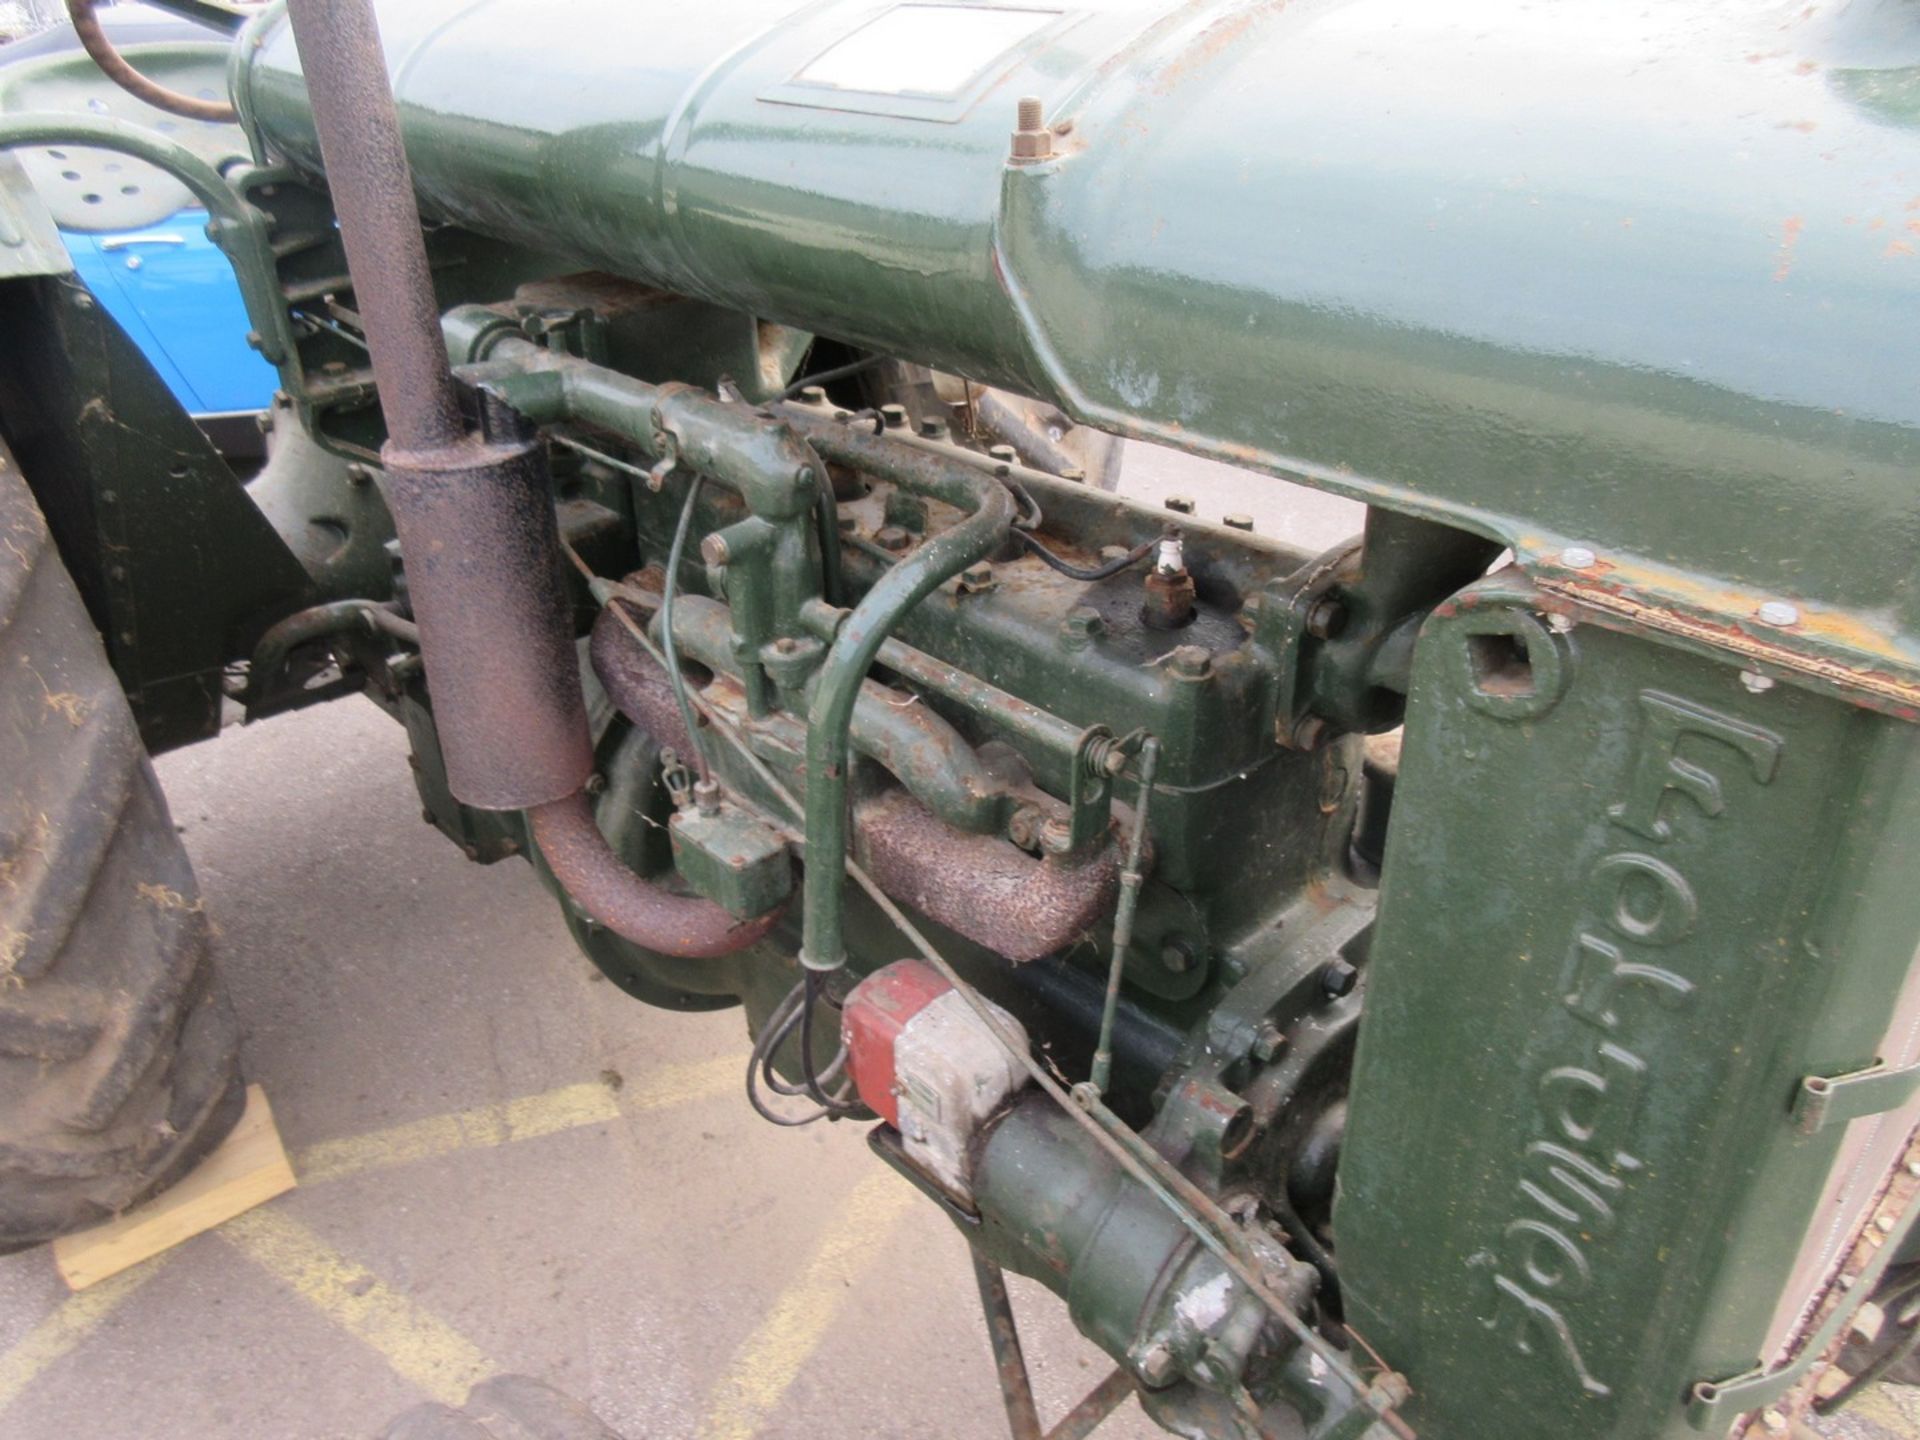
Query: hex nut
(1082, 627)
(892, 537)
(1779, 612)
(976, 579)
(1578, 557)
(1338, 978)
(1180, 504)
(1239, 520)
(1190, 662)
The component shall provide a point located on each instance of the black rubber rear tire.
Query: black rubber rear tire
(119, 1061)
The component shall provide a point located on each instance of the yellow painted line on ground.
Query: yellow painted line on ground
(416, 1343)
(71, 1322)
(484, 1126)
(419, 1346)
(773, 1356)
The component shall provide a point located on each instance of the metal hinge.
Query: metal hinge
(1834, 1100)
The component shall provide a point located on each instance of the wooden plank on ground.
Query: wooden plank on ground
(248, 1169)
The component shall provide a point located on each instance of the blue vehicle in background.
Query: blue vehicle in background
(165, 283)
(173, 292)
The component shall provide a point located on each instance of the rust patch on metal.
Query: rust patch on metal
(985, 888)
(1879, 673)
(652, 917)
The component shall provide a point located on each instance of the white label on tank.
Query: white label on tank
(931, 50)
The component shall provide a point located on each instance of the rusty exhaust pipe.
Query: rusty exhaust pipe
(473, 504)
(980, 886)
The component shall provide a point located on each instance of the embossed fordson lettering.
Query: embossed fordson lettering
(1626, 972)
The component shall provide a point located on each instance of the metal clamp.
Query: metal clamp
(1834, 1100)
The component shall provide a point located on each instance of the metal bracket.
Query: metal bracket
(1834, 1100)
(1090, 785)
(1713, 1405)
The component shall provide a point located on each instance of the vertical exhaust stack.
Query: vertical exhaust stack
(472, 502)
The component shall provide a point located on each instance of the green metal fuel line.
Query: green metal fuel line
(858, 642)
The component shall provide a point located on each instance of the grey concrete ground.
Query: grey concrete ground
(508, 1166)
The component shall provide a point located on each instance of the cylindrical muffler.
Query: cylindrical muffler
(482, 551)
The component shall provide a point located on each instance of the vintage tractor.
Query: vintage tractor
(1459, 984)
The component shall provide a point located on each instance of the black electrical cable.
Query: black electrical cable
(1074, 572)
(774, 1033)
(827, 377)
(771, 1034)
(815, 1082)
(1033, 519)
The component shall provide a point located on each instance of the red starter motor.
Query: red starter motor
(929, 1066)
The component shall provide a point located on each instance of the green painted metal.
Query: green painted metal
(1631, 906)
(1301, 238)
(731, 858)
(30, 242)
(94, 189)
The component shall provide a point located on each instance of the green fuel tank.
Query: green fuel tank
(1631, 288)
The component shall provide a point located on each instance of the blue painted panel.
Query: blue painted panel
(174, 294)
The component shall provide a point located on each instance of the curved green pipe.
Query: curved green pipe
(858, 642)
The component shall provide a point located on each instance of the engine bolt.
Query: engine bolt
(1325, 618)
(1005, 454)
(1032, 140)
(1190, 662)
(1267, 1041)
(1239, 520)
(1177, 956)
(894, 417)
(932, 429)
(785, 645)
(1082, 627)
(1779, 612)
(892, 537)
(814, 395)
(1339, 978)
(976, 579)
(1578, 557)
(1180, 504)
(713, 550)
(1756, 682)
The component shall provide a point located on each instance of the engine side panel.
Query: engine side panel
(1629, 905)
